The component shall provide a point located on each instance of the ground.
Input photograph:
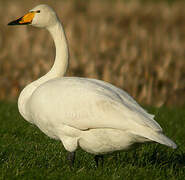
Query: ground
(26, 153)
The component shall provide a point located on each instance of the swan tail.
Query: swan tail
(157, 137)
(162, 139)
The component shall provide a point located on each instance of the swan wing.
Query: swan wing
(128, 101)
(85, 104)
(125, 97)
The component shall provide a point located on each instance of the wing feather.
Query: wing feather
(86, 103)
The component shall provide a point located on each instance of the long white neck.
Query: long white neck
(58, 69)
(61, 59)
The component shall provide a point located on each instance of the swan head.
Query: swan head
(40, 16)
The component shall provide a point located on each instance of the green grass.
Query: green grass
(26, 153)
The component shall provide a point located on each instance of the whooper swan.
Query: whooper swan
(92, 114)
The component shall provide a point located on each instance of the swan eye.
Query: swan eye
(38, 11)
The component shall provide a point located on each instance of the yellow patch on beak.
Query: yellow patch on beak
(27, 18)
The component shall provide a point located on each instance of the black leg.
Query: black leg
(71, 158)
(97, 158)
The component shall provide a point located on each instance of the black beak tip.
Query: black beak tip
(10, 23)
(15, 22)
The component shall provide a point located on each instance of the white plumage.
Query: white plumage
(92, 114)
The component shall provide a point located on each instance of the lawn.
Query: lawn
(26, 153)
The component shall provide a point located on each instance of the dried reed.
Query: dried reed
(138, 47)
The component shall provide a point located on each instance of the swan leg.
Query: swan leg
(97, 158)
(71, 159)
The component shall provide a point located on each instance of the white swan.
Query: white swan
(92, 114)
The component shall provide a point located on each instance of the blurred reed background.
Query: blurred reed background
(137, 46)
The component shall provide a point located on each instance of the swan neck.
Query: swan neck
(61, 59)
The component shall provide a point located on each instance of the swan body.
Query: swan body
(92, 114)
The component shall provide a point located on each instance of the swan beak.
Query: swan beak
(26, 19)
